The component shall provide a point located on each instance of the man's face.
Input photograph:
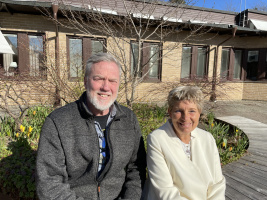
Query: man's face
(102, 85)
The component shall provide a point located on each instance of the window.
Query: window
(256, 64)
(194, 62)
(36, 54)
(148, 65)
(79, 50)
(231, 64)
(75, 52)
(225, 63)
(244, 64)
(252, 65)
(28, 57)
(237, 64)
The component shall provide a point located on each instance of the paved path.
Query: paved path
(247, 177)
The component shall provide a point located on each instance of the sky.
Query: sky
(228, 5)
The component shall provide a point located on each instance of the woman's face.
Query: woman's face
(184, 116)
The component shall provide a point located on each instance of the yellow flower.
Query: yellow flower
(231, 148)
(30, 129)
(236, 130)
(17, 135)
(212, 124)
(223, 144)
(34, 112)
(22, 128)
(28, 134)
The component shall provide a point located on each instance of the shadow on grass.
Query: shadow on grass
(17, 171)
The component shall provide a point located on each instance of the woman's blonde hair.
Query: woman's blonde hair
(189, 93)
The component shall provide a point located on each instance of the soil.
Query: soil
(4, 197)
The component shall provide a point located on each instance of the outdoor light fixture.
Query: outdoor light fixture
(13, 65)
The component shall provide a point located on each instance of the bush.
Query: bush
(232, 143)
(150, 117)
(18, 153)
(17, 170)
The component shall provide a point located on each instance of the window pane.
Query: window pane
(75, 51)
(225, 63)
(186, 62)
(134, 57)
(154, 61)
(10, 61)
(237, 66)
(252, 65)
(97, 47)
(36, 54)
(201, 61)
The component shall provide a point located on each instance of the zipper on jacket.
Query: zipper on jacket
(98, 191)
(107, 167)
(97, 161)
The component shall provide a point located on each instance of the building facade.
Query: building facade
(160, 46)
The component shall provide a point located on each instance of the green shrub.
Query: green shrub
(232, 143)
(150, 117)
(7, 126)
(17, 170)
(18, 153)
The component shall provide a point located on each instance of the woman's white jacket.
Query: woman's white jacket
(173, 176)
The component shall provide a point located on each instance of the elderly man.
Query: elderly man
(92, 148)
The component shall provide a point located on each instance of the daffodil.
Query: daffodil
(22, 128)
(30, 129)
(34, 112)
(223, 144)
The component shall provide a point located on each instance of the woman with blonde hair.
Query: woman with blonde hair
(183, 160)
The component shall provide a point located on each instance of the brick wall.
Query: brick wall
(255, 91)
(145, 92)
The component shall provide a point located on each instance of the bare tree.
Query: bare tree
(231, 6)
(261, 6)
(139, 34)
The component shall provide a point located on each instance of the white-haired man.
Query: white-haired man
(92, 148)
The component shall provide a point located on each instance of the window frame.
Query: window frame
(146, 60)
(231, 65)
(86, 51)
(193, 63)
(23, 60)
(261, 67)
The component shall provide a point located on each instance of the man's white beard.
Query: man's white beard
(97, 104)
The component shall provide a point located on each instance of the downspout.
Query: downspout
(214, 79)
(57, 95)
